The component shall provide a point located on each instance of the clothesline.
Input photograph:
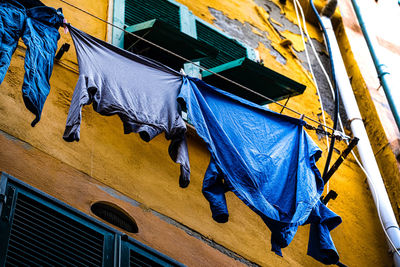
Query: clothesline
(267, 160)
(337, 134)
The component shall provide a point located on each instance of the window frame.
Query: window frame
(262, 77)
(188, 26)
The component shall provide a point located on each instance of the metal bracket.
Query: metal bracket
(331, 195)
(64, 48)
(340, 160)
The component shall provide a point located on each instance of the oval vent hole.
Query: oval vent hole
(114, 215)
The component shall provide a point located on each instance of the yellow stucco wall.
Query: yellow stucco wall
(145, 173)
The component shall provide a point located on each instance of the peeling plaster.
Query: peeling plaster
(245, 33)
(285, 29)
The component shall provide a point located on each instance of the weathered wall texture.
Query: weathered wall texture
(380, 144)
(79, 190)
(106, 160)
(386, 15)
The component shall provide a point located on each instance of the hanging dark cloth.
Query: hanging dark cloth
(142, 92)
(38, 28)
(267, 160)
(30, 3)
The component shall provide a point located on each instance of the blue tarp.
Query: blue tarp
(267, 160)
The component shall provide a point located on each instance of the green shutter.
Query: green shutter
(229, 49)
(135, 254)
(40, 232)
(236, 62)
(229, 57)
(256, 77)
(137, 11)
(169, 25)
(168, 37)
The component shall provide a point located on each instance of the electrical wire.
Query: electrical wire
(68, 66)
(336, 98)
(335, 93)
(201, 67)
(342, 128)
(377, 202)
(333, 88)
(297, 6)
(256, 93)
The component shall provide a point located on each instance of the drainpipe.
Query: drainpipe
(383, 73)
(375, 181)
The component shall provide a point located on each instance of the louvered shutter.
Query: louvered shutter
(138, 11)
(37, 232)
(229, 49)
(135, 254)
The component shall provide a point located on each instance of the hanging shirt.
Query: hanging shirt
(142, 92)
(267, 160)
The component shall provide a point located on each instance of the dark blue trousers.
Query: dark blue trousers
(12, 20)
(38, 28)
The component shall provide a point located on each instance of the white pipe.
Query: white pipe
(375, 181)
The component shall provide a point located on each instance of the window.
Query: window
(138, 11)
(172, 26)
(37, 229)
(136, 254)
(229, 49)
(161, 22)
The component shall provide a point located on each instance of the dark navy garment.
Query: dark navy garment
(267, 160)
(38, 27)
(12, 20)
(142, 92)
(30, 3)
(41, 37)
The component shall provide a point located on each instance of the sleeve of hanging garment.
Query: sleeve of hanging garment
(79, 99)
(320, 244)
(281, 236)
(214, 191)
(178, 152)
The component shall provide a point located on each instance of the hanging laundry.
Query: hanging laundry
(31, 3)
(267, 160)
(38, 27)
(12, 20)
(41, 37)
(142, 92)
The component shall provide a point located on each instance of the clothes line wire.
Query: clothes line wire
(68, 66)
(336, 133)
